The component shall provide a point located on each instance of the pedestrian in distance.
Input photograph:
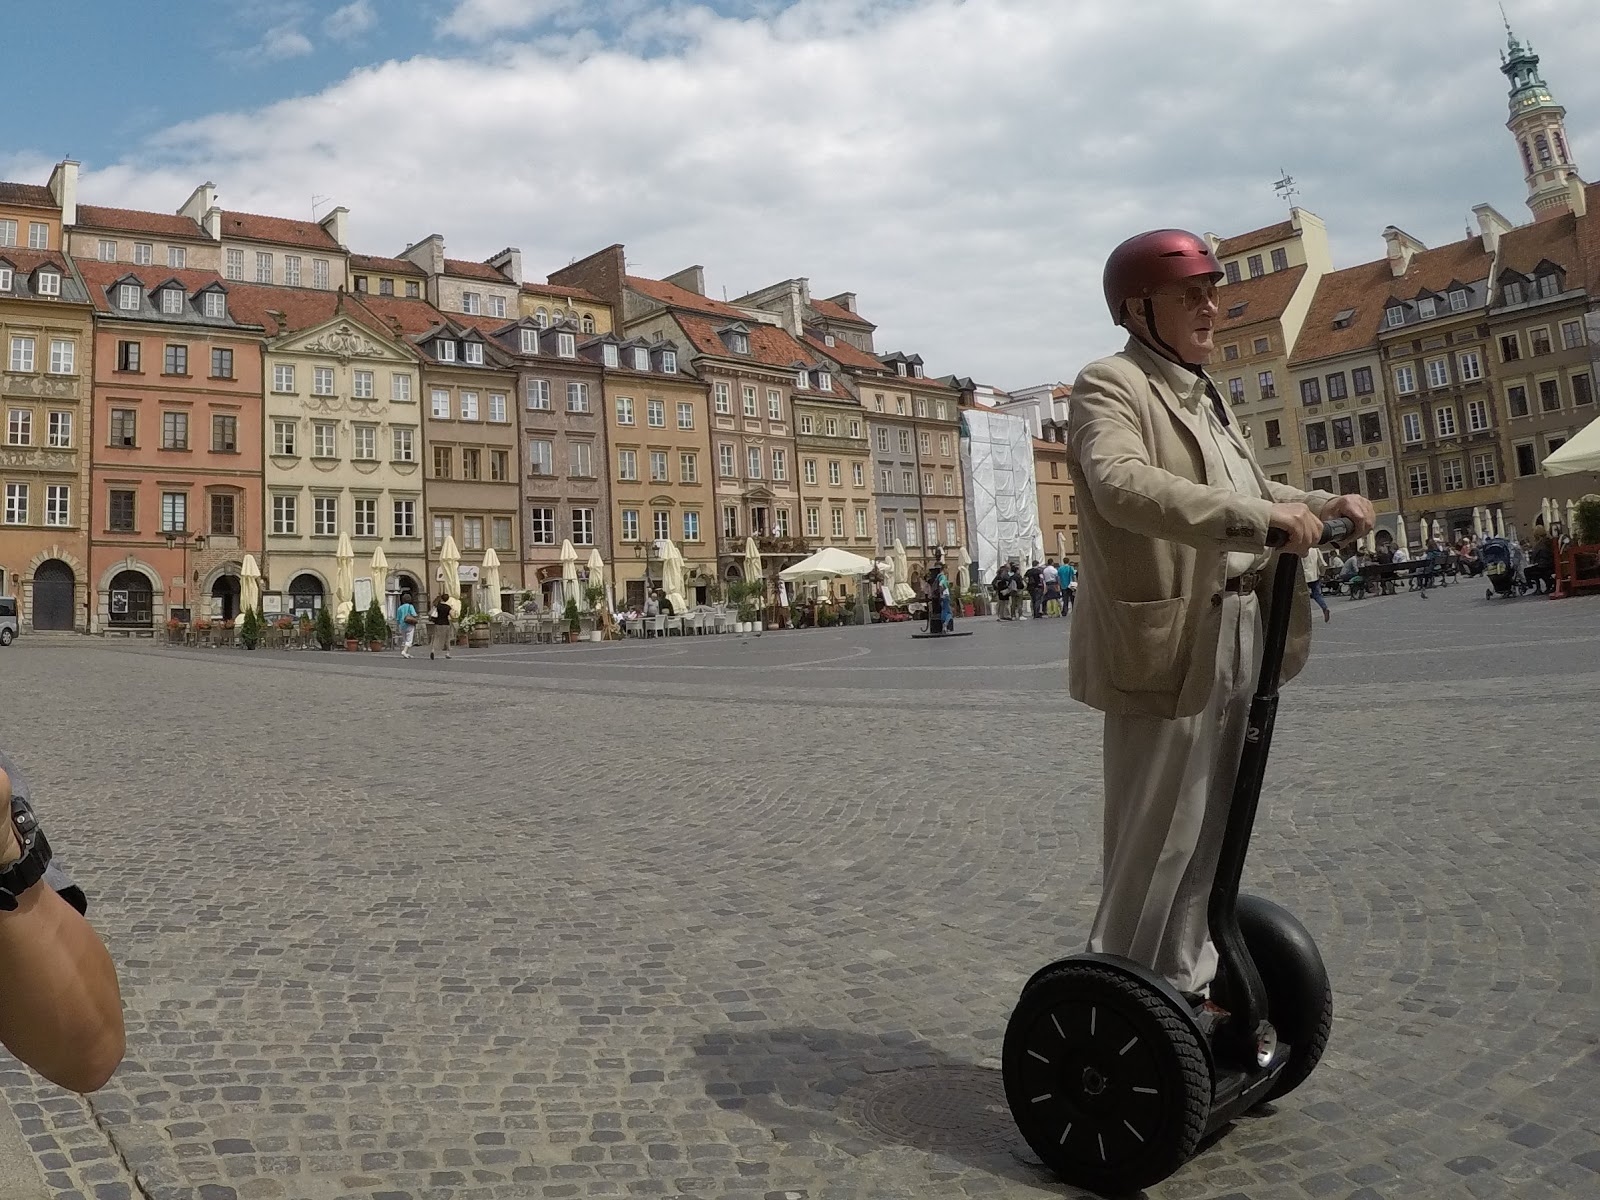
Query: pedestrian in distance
(1313, 567)
(1175, 514)
(1052, 588)
(1067, 574)
(439, 629)
(406, 617)
(1035, 581)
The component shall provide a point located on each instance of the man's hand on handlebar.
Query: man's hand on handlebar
(1355, 509)
(1297, 525)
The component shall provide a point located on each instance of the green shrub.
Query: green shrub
(377, 625)
(1588, 522)
(325, 631)
(250, 629)
(355, 627)
(570, 613)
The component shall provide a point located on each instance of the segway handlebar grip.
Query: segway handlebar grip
(1335, 530)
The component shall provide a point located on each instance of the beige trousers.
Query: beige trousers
(1169, 785)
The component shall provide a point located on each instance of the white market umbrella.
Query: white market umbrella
(1544, 511)
(828, 563)
(902, 589)
(964, 568)
(1581, 454)
(491, 578)
(249, 583)
(597, 574)
(450, 564)
(752, 561)
(1061, 546)
(1422, 529)
(344, 577)
(886, 569)
(672, 576)
(1499, 523)
(380, 576)
(1572, 517)
(1477, 522)
(1438, 532)
(569, 573)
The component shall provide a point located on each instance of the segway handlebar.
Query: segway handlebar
(1335, 530)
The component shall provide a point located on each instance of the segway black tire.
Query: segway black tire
(1126, 1039)
(1299, 994)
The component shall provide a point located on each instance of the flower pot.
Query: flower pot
(597, 636)
(741, 626)
(351, 644)
(479, 636)
(572, 637)
(756, 627)
(376, 646)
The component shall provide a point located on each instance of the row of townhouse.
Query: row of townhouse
(183, 390)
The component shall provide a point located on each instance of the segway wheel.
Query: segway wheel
(1106, 1080)
(1299, 996)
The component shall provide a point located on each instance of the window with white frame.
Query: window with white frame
(808, 470)
(322, 439)
(38, 235)
(440, 404)
(641, 358)
(497, 306)
(107, 250)
(1470, 366)
(405, 518)
(806, 423)
(63, 356)
(861, 523)
(749, 394)
(283, 378)
(233, 263)
(1477, 415)
(669, 366)
(830, 427)
(403, 443)
(365, 443)
(470, 303)
(16, 504)
(291, 270)
(908, 483)
(445, 349)
(730, 520)
(497, 406)
(1444, 420)
(1411, 426)
(905, 441)
(691, 526)
(1438, 373)
(472, 533)
(528, 340)
(541, 457)
(927, 483)
(441, 528)
(324, 516)
(911, 531)
(661, 524)
(685, 415)
(366, 517)
(753, 462)
(172, 300)
(932, 532)
(624, 410)
(566, 345)
(1394, 316)
(887, 479)
(361, 385)
(857, 475)
(658, 466)
(283, 441)
(725, 466)
(582, 460)
(813, 522)
(583, 527)
(322, 381)
(473, 352)
(284, 514)
(128, 297)
(721, 395)
(1426, 308)
(1405, 380)
(688, 467)
(656, 414)
(174, 512)
(577, 397)
(780, 468)
(469, 406)
(539, 394)
(1458, 300)
(630, 524)
(774, 404)
(19, 427)
(540, 317)
(1484, 473)
(319, 273)
(802, 379)
(143, 254)
(888, 531)
(1451, 477)
(949, 484)
(924, 443)
(57, 504)
(825, 381)
(263, 267)
(834, 476)
(59, 434)
(400, 387)
(628, 465)
(7, 277)
(1421, 483)
(883, 440)
(8, 232)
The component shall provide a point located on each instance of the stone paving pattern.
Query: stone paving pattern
(706, 919)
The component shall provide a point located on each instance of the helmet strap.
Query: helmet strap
(1166, 351)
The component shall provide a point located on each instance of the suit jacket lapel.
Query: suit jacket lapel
(1186, 418)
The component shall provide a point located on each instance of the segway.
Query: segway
(1111, 1073)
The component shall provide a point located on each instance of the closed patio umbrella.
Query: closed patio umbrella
(964, 566)
(344, 578)
(569, 574)
(1477, 521)
(249, 583)
(380, 577)
(1438, 532)
(1544, 512)
(902, 590)
(1499, 523)
(1061, 547)
(450, 564)
(597, 574)
(1422, 531)
(491, 578)
(1572, 517)
(672, 576)
(752, 561)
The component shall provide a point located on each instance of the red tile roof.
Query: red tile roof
(1434, 270)
(473, 270)
(280, 230)
(26, 262)
(838, 312)
(769, 345)
(676, 297)
(413, 316)
(566, 293)
(100, 276)
(1256, 238)
(1053, 448)
(1061, 392)
(385, 266)
(1264, 297)
(846, 355)
(132, 220)
(27, 195)
(1524, 248)
(1364, 289)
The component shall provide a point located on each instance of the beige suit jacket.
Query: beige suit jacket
(1157, 518)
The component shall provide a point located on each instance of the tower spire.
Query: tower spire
(1537, 123)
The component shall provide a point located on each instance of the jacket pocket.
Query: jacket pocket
(1145, 637)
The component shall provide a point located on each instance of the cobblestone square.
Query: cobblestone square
(745, 918)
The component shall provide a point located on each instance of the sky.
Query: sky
(964, 166)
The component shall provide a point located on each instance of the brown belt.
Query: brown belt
(1243, 583)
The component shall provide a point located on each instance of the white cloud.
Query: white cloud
(481, 20)
(963, 167)
(284, 41)
(351, 20)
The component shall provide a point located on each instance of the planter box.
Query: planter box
(375, 647)
(351, 644)
(479, 636)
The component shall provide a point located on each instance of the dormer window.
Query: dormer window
(446, 350)
(172, 300)
(567, 345)
(1549, 285)
(641, 359)
(1458, 300)
(128, 297)
(824, 381)
(5, 279)
(1426, 308)
(1342, 318)
(739, 342)
(474, 352)
(471, 303)
(828, 340)
(1394, 316)
(1512, 292)
(216, 305)
(802, 379)
(899, 368)
(669, 362)
(530, 341)
(609, 356)
(916, 370)
(541, 318)
(49, 283)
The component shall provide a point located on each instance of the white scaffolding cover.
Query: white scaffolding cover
(1002, 494)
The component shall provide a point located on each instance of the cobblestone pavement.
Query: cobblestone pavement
(727, 918)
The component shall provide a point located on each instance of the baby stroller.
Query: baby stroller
(1502, 567)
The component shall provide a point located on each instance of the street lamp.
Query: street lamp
(182, 537)
(646, 552)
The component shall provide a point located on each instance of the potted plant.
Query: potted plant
(174, 630)
(475, 628)
(323, 630)
(1586, 528)
(250, 630)
(355, 629)
(377, 627)
(570, 615)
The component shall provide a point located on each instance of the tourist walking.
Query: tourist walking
(1035, 581)
(439, 630)
(1313, 567)
(1052, 588)
(1175, 515)
(406, 617)
(1067, 575)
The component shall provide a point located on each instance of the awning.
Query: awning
(1581, 454)
(828, 563)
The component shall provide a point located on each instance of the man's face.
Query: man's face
(1186, 316)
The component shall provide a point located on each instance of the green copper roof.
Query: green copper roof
(1520, 65)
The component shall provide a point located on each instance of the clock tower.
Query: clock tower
(1536, 123)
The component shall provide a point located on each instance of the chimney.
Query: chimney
(1491, 225)
(213, 223)
(1577, 195)
(509, 263)
(691, 279)
(64, 187)
(846, 301)
(1402, 246)
(427, 254)
(336, 224)
(279, 319)
(200, 201)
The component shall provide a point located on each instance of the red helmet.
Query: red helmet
(1150, 260)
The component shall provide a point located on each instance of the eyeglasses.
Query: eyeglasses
(1194, 295)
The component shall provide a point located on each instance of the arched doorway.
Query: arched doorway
(131, 600)
(305, 595)
(400, 584)
(225, 592)
(52, 595)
